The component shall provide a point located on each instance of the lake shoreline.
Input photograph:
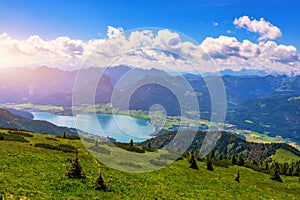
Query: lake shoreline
(120, 127)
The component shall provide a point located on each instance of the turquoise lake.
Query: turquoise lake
(120, 127)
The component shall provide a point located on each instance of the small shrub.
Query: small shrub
(221, 163)
(88, 140)
(157, 163)
(51, 138)
(130, 164)
(21, 133)
(101, 183)
(168, 156)
(99, 149)
(75, 171)
(69, 137)
(60, 147)
(45, 146)
(66, 148)
(150, 149)
(17, 138)
(128, 147)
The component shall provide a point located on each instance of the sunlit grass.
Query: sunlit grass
(36, 173)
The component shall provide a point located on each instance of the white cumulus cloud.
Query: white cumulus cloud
(113, 32)
(163, 49)
(264, 28)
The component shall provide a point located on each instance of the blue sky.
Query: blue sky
(86, 19)
(199, 19)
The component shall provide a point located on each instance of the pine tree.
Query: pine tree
(237, 178)
(209, 165)
(274, 173)
(75, 171)
(290, 170)
(211, 155)
(296, 170)
(283, 168)
(149, 145)
(265, 165)
(64, 135)
(240, 160)
(220, 157)
(192, 161)
(233, 160)
(253, 162)
(131, 143)
(100, 183)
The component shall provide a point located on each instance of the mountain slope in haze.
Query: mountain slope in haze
(123, 76)
(8, 120)
(20, 113)
(274, 115)
(46, 85)
(151, 90)
(241, 88)
(174, 93)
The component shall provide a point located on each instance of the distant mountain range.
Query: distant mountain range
(123, 76)
(46, 85)
(269, 101)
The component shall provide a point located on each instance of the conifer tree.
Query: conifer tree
(265, 165)
(131, 143)
(283, 168)
(237, 178)
(296, 170)
(192, 161)
(290, 170)
(211, 155)
(209, 165)
(64, 135)
(220, 157)
(100, 183)
(149, 145)
(197, 156)
(75, 171)
(240, 160)
(233, 159)
(274, 173)
(253, 162)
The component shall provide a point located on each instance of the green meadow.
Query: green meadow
(29, 172)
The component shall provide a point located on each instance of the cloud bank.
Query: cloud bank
(156, 48)
(264, 28)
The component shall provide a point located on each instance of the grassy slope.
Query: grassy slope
(40, 174)
(282, 156)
